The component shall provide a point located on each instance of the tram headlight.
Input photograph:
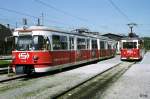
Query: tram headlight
(134, 53)
(124, 53)
(35, 57)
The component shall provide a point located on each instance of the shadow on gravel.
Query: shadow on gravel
(132, 60)
(38, 75)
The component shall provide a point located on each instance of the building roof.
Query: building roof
(114, 36)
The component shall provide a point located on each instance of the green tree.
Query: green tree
(4, 32)
(146, 43)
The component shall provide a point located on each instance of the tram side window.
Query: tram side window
(94, 44)
(109, 46)
(102, 45)
(48, 44)
(59, 42)
(88, 43)
(81, 43)
(140, 45)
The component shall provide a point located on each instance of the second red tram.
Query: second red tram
(132, 48)
(42, 49)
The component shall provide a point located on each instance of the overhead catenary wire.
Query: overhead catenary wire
(47, 20)
(67, 13)
(119, 10)
(17, 12)
(61, 11)
(25, 14)
(4, 19)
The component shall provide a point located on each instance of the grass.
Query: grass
(4, 63)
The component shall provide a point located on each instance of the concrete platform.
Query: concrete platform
(134, 84)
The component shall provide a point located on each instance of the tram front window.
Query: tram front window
(39, 43)
(25, 43)
(129, 45)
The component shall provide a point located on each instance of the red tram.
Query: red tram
(132, 48)
(41, 49)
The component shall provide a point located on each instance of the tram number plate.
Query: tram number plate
(19, 69)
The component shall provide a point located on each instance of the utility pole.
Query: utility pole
(42, 17)
(38, 24)
(24, 21)
(16, 24)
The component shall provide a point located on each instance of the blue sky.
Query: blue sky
(97, 15)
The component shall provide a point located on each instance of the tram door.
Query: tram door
(94, 48)
(71, 47)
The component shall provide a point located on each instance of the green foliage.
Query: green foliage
(146, 43)
(4, 32)
(4, 63)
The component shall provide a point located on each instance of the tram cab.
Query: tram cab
(131, 49)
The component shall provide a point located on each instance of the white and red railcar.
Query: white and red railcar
(132, 48)
(42, 49)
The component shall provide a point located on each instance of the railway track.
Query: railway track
(89, 88)
(5, 75)
(54, 88)
(4, 71)
(10, 78)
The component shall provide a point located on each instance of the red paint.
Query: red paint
(130, 53)
(41, 59)
(27, 57)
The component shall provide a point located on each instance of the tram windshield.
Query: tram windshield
(129, 45)
(28, 42)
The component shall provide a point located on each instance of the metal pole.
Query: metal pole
(8, 70)
(131, 29)
(131, 25)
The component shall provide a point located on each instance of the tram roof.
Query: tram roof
(131, 38)
(40, 28)
(52, 29)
